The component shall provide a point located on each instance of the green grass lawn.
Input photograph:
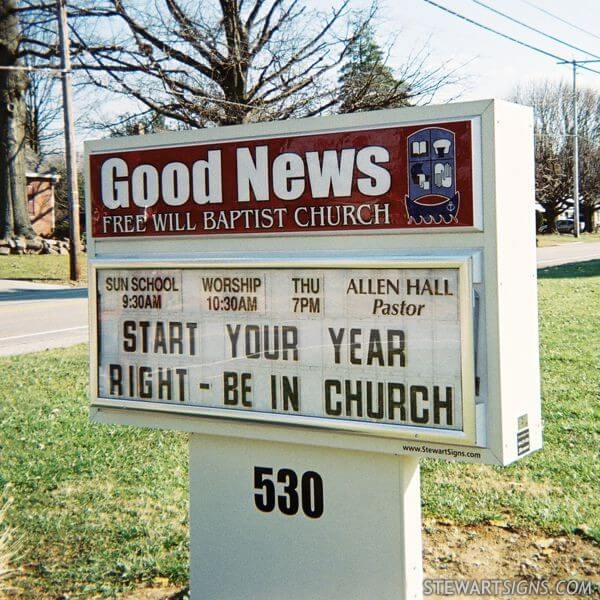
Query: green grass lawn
(557, 489)
(96, 508)
(101, 509)
(45, 268)
(554, 239)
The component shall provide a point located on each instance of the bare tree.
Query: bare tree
(230, 61)
(554, 131)
(221, 62)
(43, 111)
(589, 152)
(14, 217)
(28, 104)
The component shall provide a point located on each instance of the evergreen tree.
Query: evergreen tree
(366, 82)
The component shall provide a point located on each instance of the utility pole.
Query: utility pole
(575, 156)
(576, 143)
(70, 150)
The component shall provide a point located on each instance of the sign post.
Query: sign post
(320, 303)
(297, 521)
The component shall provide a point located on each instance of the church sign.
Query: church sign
(358, 276)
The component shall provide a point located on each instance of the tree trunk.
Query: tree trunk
(14, 216)
(588, 215)
(550, 217)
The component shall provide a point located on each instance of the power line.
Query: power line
(550, 14)
(48, 69)
(551, 37)
(574, 95)
(504, 35)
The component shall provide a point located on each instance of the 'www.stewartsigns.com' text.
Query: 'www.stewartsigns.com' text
(442, 451)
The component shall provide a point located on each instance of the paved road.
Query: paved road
(567, 253)
(36, 316)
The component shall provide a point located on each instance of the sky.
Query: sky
(495, 65)
(491, 66)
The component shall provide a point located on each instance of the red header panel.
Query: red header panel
(394, 178)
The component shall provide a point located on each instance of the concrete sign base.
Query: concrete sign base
(271, 520)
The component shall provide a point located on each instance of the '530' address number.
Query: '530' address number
(306, 493)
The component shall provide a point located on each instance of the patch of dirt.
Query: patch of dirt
(499, 552)
(494, 551)
(163, 593)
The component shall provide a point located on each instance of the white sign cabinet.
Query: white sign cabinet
(320, 303)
